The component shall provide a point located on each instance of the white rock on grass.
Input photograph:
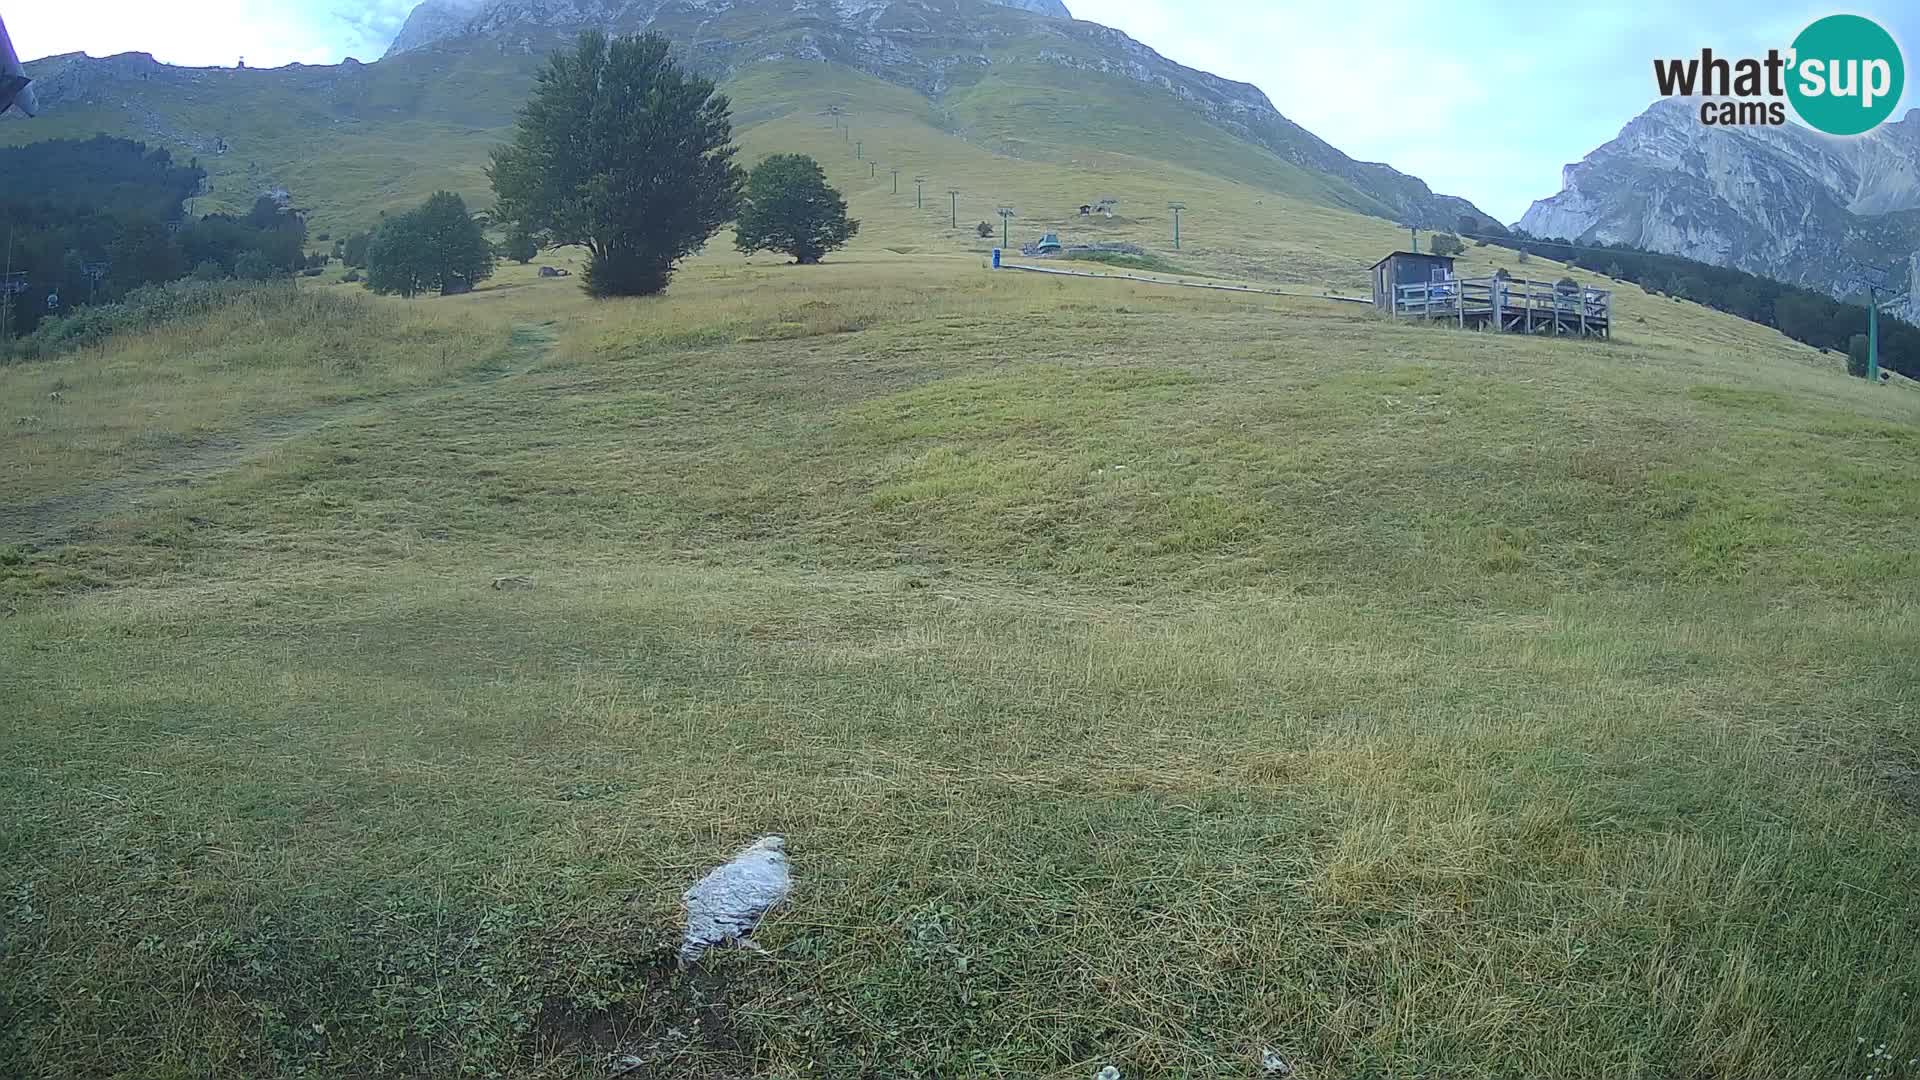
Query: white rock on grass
(725, 906)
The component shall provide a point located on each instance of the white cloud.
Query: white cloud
(211, 32)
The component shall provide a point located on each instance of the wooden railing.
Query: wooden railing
(1514, 303)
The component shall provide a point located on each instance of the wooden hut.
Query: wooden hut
(1409, 285)
(1407, 268)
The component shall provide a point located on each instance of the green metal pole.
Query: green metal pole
(1006, 233)
(1873, 336)
(1176, 230)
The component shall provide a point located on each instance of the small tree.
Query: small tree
(1523, 258)
(457, 251)
(1445, 244)
(208, 270)
(624, 153)
(394, 264)
(983, 230)
(519, 246)
(1857, 356)
(436, 246)
(790, 207)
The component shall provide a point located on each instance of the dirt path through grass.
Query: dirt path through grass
(54, 521)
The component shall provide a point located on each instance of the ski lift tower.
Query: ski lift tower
(94, 271)
(1874, 280)
(12, 284)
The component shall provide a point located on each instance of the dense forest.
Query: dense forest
(87, 221)
(1802, 314)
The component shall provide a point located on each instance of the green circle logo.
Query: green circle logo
(1847, 75)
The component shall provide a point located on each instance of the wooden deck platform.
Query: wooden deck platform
(1511, 305)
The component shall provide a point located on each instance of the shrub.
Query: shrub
(311, 271)
(141, 309)
(255, 266)
(1857, 355)
(209, 271)
(354, 251)
(1523, 258)
(983, 230)
(519, 246)
(352, 277)
(1445, 244)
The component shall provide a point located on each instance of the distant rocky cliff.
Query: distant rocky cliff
(1784, 202)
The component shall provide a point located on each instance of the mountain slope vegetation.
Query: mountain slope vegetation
(353, 139)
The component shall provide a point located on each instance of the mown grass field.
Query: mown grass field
(1141, 676)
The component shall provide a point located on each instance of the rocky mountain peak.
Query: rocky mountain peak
(435, 20)
(1786, 202)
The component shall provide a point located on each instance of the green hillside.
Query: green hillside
(1140, 676)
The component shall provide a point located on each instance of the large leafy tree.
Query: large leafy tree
(790, 207)
(438, 245)
(621, 151)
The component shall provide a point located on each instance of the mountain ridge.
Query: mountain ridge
(434, 20)
(1024, 83)
(879, 37)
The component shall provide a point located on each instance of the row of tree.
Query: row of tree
(619, 150)
(640, 186)
(624, 153)
(90, 220)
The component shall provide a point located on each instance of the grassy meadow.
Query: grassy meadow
(1140, 676)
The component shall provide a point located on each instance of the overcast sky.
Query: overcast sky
(1508, 95)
